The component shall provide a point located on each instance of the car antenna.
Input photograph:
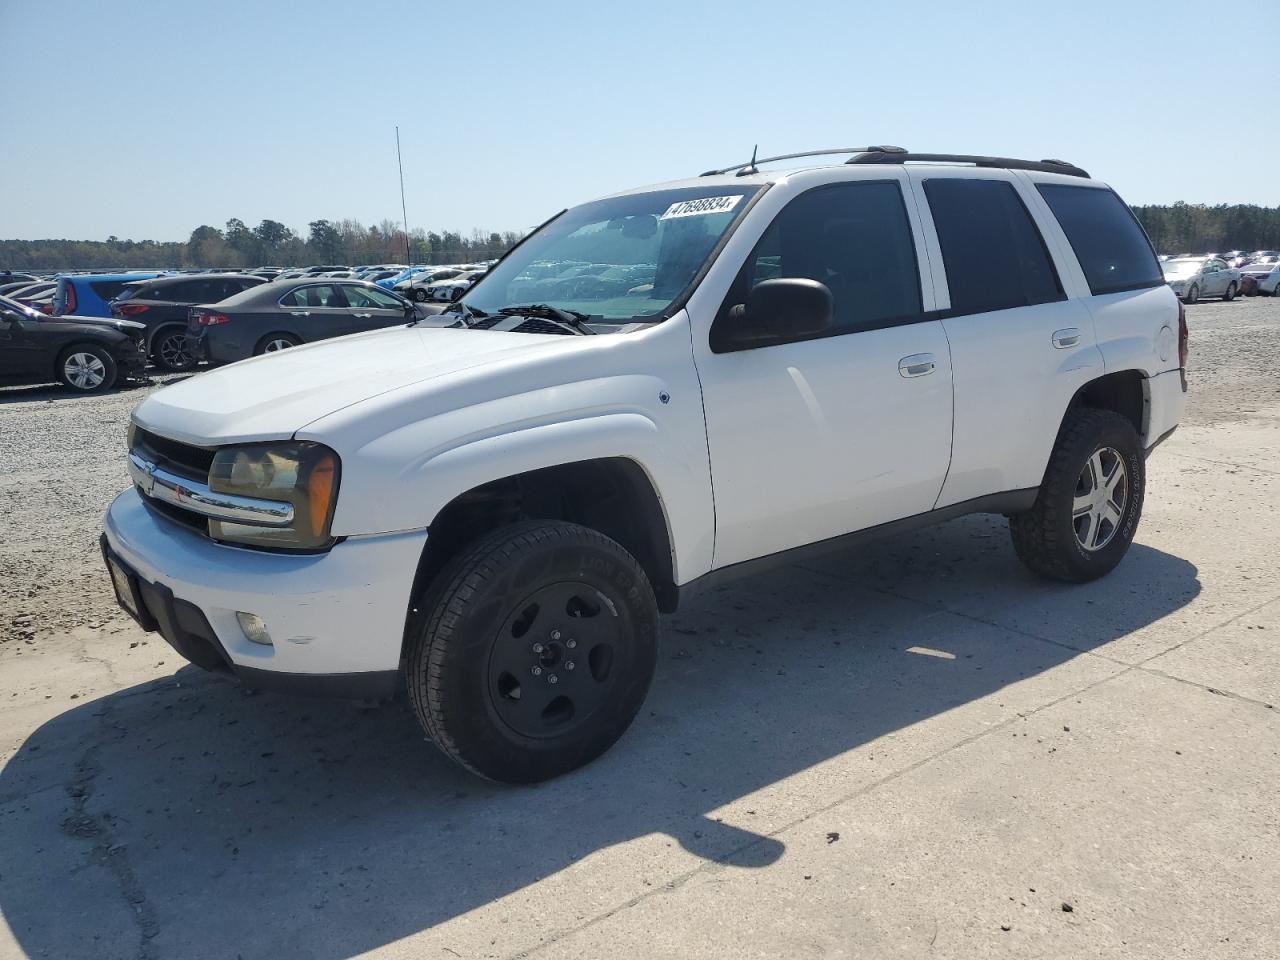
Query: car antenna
(751, 167)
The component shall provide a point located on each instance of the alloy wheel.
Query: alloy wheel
(1102, 492)
(84, 371)
(277, 344)
(174, 353)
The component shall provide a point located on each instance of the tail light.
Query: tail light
(1183, 336)
(129, 309)
(69, 303)
(47, 308)
(209, 319)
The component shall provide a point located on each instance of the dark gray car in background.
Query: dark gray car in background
(285, 313)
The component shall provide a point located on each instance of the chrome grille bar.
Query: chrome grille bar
(160, 484)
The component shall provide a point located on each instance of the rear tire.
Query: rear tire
(1231, 292)
(171, 350)
(1090, 502)
(87, 368)
(532, 651)
(274, 342)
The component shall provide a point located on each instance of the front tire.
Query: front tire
(1090, 502)
(87, 369)
(533, 651)
(420, 295)
(1193, 295)
(1231, 292)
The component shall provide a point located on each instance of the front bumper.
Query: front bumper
(336, 619)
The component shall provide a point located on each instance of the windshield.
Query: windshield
(1181, 268)
(618, 260)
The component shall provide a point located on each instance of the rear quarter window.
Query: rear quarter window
(107, 289)
(1110, 244)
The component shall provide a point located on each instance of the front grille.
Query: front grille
(184, 459)
(192, 521)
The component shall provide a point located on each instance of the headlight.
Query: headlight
(297, 472)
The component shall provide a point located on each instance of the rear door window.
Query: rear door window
(319, 295)
(1112, 247)
(993, 253)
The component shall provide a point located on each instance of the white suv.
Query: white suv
(763, 364)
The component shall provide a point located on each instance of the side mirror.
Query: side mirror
(776, 311)
(13, 320)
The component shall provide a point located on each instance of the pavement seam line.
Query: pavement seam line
(1227, 463)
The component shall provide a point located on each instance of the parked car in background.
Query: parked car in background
(393, 283)
(85, 354)
(27, 292)
(90, 295)
(7, 289)
(1193, 278)
(447, 291)
(1264, 278)
(42, 302)
(280, 315)
(8, 276)
(163, 304)
(416, 286)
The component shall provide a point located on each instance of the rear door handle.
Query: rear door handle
(917, 365)
(300, 313)
(1062, 339)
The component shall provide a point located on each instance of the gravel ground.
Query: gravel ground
(63, 462)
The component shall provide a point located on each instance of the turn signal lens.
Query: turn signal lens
(320, 492)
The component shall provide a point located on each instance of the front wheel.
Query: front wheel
(420, 295)
(1089, 504)
(87, 368)
(1193, 295)
(533, 651)
(1231, 292)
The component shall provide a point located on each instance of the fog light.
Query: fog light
(254, 628)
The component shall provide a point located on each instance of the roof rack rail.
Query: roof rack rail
(750, 166)
(877, 155)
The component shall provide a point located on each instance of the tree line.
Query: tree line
(270, 243)
(1173, 228)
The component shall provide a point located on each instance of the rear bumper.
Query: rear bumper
(336, 619)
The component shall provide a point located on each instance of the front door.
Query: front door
(826, 435)
(371, 309)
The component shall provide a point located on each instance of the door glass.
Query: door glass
(994, 256)
(320, 295)
(853, 237)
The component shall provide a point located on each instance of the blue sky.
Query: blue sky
(145, 119)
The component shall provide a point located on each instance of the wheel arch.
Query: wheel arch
(612, 495)
(161, 328)
(1126, 392)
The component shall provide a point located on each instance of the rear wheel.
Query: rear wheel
(1231, 292)
(533, 651)
(1090, 502)
(87, 368)
(275, 342)
(172, 350)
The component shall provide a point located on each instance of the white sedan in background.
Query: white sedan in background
(1267, 275)
(1195, 277)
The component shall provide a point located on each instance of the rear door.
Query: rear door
(316, 311)
(1020, 347)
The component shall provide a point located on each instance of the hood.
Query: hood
(124, 326)
(273, 396)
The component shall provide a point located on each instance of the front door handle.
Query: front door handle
(1062, 339)
(362, 316)
(917, 365)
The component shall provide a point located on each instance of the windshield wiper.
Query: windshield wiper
(575, 321)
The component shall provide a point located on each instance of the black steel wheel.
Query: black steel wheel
(534, 650)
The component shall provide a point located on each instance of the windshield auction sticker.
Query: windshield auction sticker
(700, 208)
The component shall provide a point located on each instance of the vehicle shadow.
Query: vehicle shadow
(54, 392)
(198, 819)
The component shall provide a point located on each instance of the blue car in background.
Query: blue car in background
(90, 295)
(389, 283)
